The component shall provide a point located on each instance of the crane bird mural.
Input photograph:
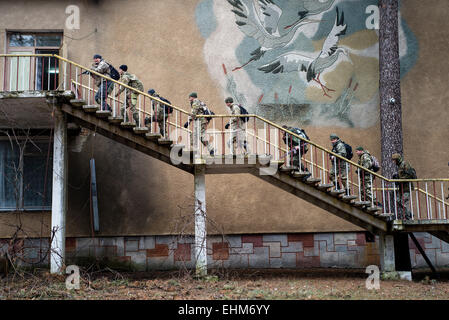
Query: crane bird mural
(313, 66)
(292, 60)
(259, 19)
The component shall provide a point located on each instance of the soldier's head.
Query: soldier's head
(229, 101)
(333, 137)
(151, 92)
(123, 68)
(397, 158)
(193, 96)
(97, 58)
(359, 150)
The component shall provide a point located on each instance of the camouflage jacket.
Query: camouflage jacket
(198, 108)
(365, 160)
(294, 141)
(236, 122)
(103, 68)
(130, 80)
(159, 107)
(404, 172)
(339, 148)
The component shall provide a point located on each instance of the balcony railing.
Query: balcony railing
(419, 199)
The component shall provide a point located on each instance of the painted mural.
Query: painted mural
(299, 62)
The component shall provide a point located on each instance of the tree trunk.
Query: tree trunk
(391, 110)
(389, 85)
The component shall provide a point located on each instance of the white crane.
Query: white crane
(259, 19)
(313, 66)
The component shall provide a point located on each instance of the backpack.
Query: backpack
(348, 148)
(113, 72)
(207, 112)
(412, 173)
(243, 111)
(300, 132)
(167, 108)
(376, 165)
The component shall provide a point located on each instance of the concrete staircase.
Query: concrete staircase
(311, 189)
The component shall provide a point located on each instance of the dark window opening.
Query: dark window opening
(26, 175)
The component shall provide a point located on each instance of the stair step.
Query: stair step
(300, 174)
(349, 198)
(165, 142)
(312, 180)
(287, 168)
(325, 186)
(127, 125)
(373, 209)
(115, 120)
(78, 102)
(103, 113)
(153, 136)
(90, 108)
(141, 130)
(361, 204)
(337, 192)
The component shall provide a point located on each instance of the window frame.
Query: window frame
(33, 65)
(21, 206)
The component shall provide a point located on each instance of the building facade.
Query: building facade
(179, 47)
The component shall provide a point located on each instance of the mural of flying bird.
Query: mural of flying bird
(296, 61)
(259, 19)
(313, 7)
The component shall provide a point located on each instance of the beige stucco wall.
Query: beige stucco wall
(160, 42)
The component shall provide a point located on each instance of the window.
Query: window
(25, 175)
(33, 73)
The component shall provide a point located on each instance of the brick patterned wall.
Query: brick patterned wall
(320, 250)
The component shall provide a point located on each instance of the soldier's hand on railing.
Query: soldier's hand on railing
(227, 126)
(186, 124)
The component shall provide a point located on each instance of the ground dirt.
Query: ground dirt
(317, 284)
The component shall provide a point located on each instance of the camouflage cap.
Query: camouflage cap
(396, 156)
(333, 136)
(229, 100)
(360, 148)
(193, 95)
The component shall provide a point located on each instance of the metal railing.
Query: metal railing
(419, 199)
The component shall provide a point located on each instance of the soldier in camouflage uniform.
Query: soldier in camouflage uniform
(405, 171)
(338, 147)
(198, 108)
(237, 128)
(104, 86)
(296, 146)
(160, 112)
(366, 179)
(131, 96)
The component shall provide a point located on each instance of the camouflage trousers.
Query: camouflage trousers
(296, 162)
(366, 188)
(162, 123)
(339, 172)
(238, 141)
(130, 109)
(403, 206)
(200, 135)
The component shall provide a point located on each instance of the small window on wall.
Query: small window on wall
(46, 40)
(26, 179)
(33, 73)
